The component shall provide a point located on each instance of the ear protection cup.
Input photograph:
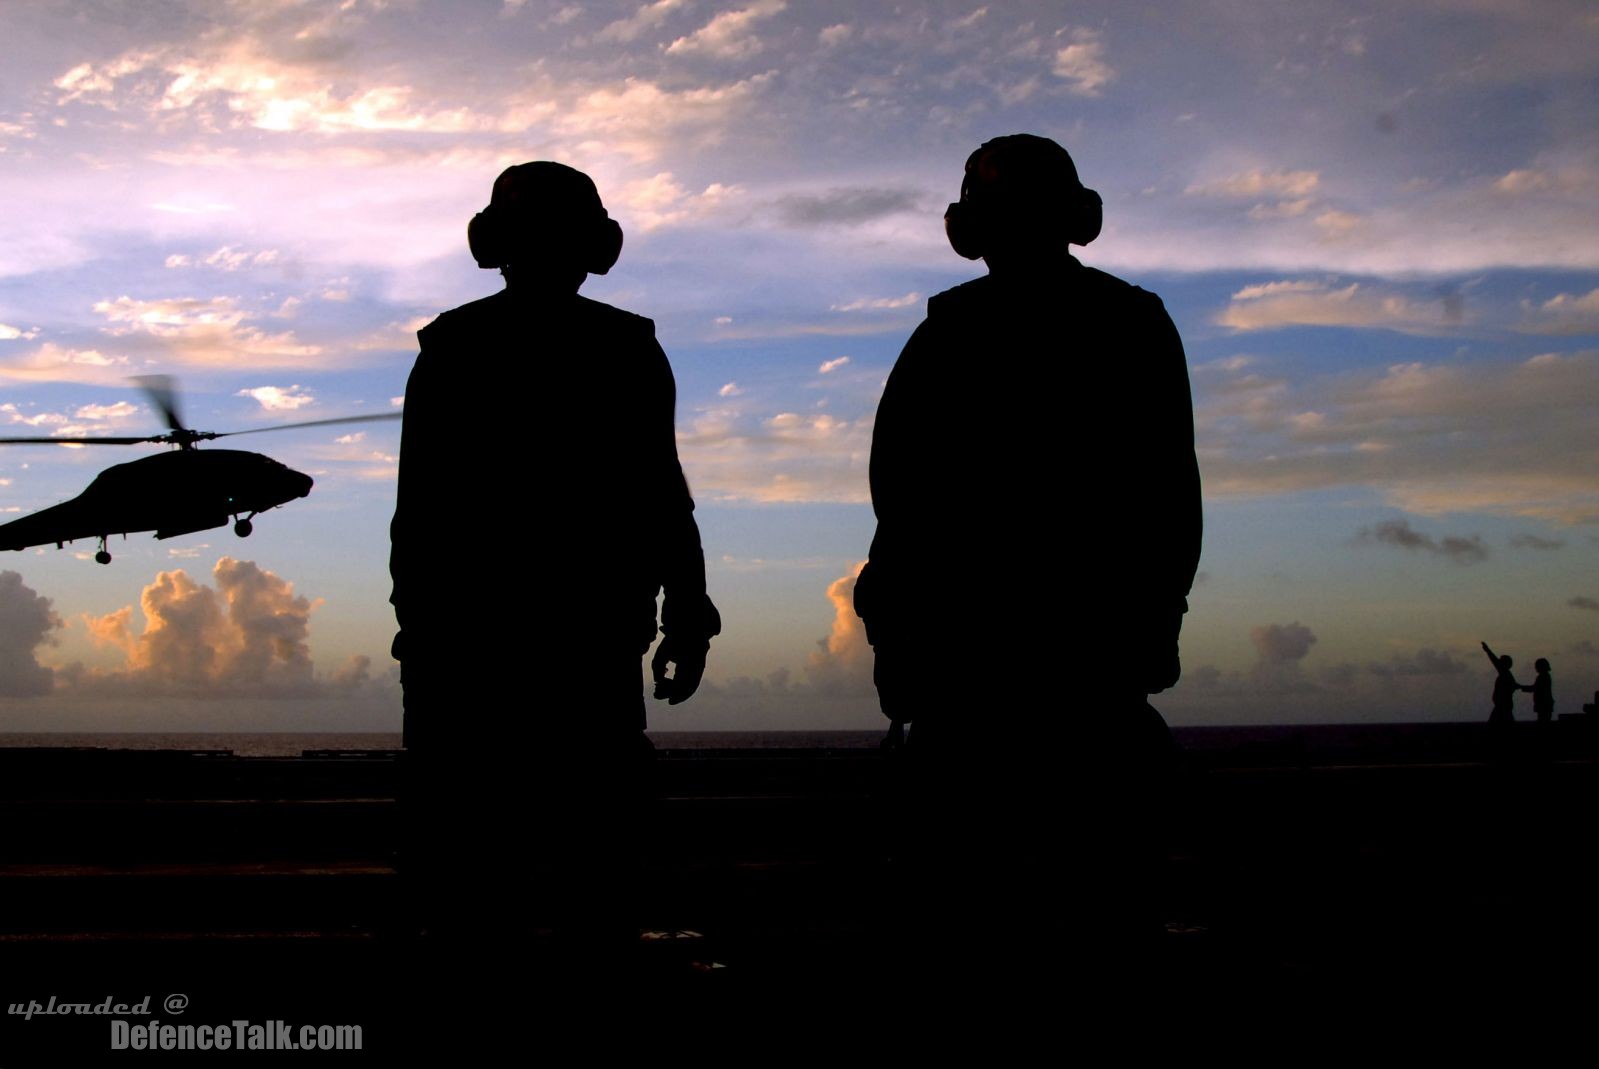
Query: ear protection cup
(1087, 216)
(491, 243)
(605, 246)
(965, 236)
(482, 238)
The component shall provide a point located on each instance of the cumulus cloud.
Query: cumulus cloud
(738, 454)
(246, 636)
(842, 660)
(27, 621)
(660, 200)
(279, 398)
(835, 35)
(1399, 533)
(10, 333)
(832, 365)
(729, 35)
(1081, 64)
(1564, 313)
(1281, 644)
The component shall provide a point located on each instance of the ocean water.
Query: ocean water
(1357, 741)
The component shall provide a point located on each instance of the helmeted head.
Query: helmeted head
(1021, 195)
(547, 219)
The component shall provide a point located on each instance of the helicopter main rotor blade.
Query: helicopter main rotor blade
(81, 441)
(380, 417)
(162, 391)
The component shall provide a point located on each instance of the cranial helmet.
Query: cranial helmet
(544, 212)
(1021, 185)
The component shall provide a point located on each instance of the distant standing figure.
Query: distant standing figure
(1543, 691)
(1505, 687)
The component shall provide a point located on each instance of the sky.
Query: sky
(1376, 227)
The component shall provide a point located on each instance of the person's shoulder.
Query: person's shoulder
(959, 300)
(464, 319)
(615, 318)
(1106, 286)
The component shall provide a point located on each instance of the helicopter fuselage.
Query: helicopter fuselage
(170, 493)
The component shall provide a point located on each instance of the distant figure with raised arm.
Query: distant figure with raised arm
(541, 510)
(1038, 500)
(1505, 687)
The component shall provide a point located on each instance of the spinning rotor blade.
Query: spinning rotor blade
(162, 391)
(81, 441)
(380, 417)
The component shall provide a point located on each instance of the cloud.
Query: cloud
(736, 454)
(875, 303)
(55, 363)
(1507, 438)
(1282, 643)
(660, 200)
(730, 389)
(119, 410)
(227, 258)
(278, 398)
(832, 365)
(1273, 305)
(247, 636)
(639, 120)
(1424, 662)
(208, 331)
(10, 333)
(1082, 65)
(730, 35)
(1399, 533)
(835, 35)
(843, 660)
(1581, 602)
(1564, 313)
(845, 206)
(1252, 185)
(1532, 541)
(27, 622)
(643, 20)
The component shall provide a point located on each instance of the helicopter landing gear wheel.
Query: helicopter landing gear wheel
(102, 557)
(243, 528)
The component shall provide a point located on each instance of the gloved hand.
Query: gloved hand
(689, 656)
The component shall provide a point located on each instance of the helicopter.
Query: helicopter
(173, 493)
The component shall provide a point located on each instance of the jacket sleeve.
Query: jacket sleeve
(1179, 483)
(686, 610)
(415, 484)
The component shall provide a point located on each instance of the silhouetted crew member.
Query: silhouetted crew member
(541, 509)
(1505, 687)
(1038, 500)
(1543, 691)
